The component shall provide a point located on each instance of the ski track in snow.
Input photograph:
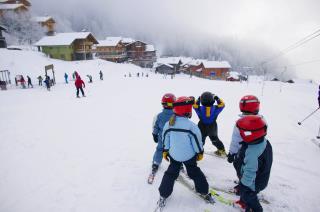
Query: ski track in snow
(60, 153)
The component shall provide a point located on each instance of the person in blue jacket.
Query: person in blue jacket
(182, 145)
(159, 122)
(253, 161)
(208, 114)
(66, 78)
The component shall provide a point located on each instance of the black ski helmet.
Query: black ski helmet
(206, 99)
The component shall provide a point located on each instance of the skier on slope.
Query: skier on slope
(159, 122)
(253, 161)
(78, 83)
(182, 145)
(249, 105)
(319, 96)
(208, 114)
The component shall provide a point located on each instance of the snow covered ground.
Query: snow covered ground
(63, 154)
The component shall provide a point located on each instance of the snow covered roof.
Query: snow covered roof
(110, 41)
(63, 39)
(11, 6)
(174, 60)
(150, 48)
(216, 64)
(128, 40)
(234, 74)
(3, 28)
(165, 64)
(41, 19)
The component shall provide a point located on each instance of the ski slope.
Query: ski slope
(63, 154)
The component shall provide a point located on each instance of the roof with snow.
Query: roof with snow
(11, 6)
(174, 60)
(3, 28)
(110, 41)
(41, 19)
(128, 40)
(164, 64)
(234, 74)
(64, 39)
(216, 64)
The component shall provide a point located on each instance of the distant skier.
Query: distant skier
(23, 82)
(319, 97)
(249, 105)
(159, 122)
(101, 75)
(66, 78)
(40, 80)
(78, 83)
(182, 145)
(208, 114)
(29, 82)
(90, 78)
(47, 82)
(253, 161)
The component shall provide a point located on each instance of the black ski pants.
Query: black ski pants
(211, 130)
(172, 173)
(81, 89)
(250, 198)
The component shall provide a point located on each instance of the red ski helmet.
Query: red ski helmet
(183, 106)
(249, 104)
(168, 100)
(252, 127)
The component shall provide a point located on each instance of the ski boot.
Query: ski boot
(220, 153)
(240, 204)
(236, 190)
(155, 168)
(208, 198)
(161, 203)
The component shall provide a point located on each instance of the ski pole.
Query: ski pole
(300, 122)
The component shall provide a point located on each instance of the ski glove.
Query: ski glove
(155, 138)
(199, 156)
(231, 157)
(165, 155)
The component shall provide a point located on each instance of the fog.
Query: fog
(244, 32)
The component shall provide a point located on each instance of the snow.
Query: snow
(150, 48)
(216, 64)
(60, 153)
(10, 6)
(41, 19)
(62, 39)
(110, 41)
(174, 60)
(234, 74)
(128, 40)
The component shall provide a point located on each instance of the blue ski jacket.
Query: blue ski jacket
(208, 115)
(182, 140)
(160, 121)
(253, 164)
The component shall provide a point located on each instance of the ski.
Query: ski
(232, 192)
(215, 155)
(184, 182)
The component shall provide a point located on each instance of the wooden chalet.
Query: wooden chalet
(68, 46)
(24, 2)
(141, 54)
(17, 8)
(112, 49)
(164, 68)
(216, 69)
(46, 21)
(3, 43)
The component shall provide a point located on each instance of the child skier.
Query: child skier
(253, 161)
(182, 145)
(208, 114)
(78, 83)
(159, 122)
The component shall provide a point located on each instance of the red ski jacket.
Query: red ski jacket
(78, 83)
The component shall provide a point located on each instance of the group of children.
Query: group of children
(180, 141)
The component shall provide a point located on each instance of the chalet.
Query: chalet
(3, 43)
(164, 68)
(68, 46)
(141, 54)
(24, 2)
(47, 22)
(112, 49)
(17, 8)
(215, 69)
(127, 41)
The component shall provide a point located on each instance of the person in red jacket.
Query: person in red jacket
(78, 83)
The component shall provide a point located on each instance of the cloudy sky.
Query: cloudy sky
(271, 24)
